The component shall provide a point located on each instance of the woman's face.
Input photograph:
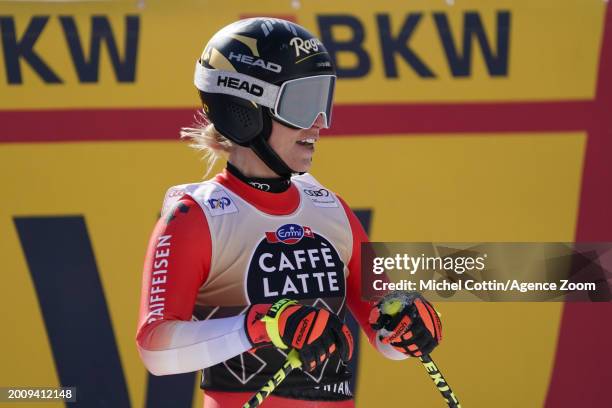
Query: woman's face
(295, 146)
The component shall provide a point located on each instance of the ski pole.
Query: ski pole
(292, 362)
(440, 381)
(391, 306)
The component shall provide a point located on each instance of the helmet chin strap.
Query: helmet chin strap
(264, 151)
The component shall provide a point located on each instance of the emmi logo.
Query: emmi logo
(395, 43)
(18, 50)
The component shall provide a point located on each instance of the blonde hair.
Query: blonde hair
(205, 138)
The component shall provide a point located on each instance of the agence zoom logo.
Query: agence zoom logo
(289, 234)
(219, 202)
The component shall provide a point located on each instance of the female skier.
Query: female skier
(262, 258)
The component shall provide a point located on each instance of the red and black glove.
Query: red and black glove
(315, 333)
(407, 322)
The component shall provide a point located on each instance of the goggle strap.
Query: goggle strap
(235, 84)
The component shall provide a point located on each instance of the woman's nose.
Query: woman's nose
(319, 123)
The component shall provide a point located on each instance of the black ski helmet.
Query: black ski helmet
(250, 73)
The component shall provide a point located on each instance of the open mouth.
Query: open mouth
(307, 142)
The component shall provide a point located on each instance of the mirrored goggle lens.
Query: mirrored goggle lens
(302, 100)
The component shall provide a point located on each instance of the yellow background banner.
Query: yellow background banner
(458, 188)
(552, 51)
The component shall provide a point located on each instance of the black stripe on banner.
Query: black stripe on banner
(174, 391)
(63, 269)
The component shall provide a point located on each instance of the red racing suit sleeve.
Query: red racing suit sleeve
(361, 308)
(176, 265)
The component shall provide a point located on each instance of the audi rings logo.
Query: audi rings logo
(260, 186)
(317, 193)
(219, 202)
(320, 197)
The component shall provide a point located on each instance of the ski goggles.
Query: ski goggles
(297, 102)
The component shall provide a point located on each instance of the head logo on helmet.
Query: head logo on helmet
(246, 59)
(262, 69)
(229, 82)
